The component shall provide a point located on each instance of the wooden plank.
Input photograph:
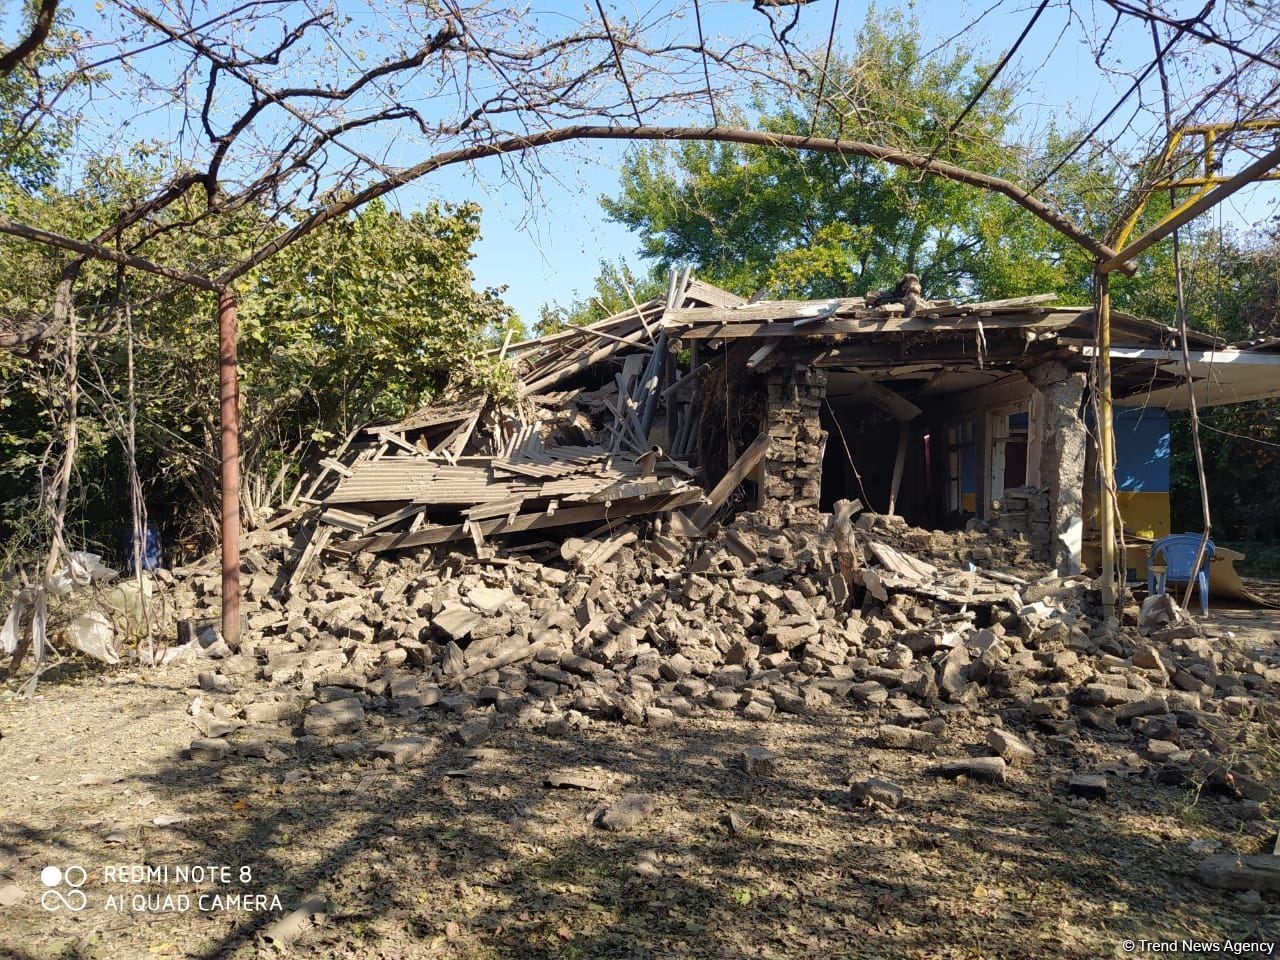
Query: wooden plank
(351, 520)
(494, 508)
(890, 401)
(729, 329)
(602, 552)
(529, 521)
(331, 464)
(899, 460)
(284, 519)
(391, 519)
(390, 436)
(749, 460)
(320, 538)
(570, 333)
(701, 292)
(342, 448)
(504, 659)
(580, 364)
(762, 354)
(764, 311)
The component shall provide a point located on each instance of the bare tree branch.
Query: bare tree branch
(40, 28)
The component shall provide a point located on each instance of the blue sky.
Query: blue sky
(547, 248)
(545, 236)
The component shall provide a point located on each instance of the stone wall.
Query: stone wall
(792, 481)
(1062, 454)
(1024, 512)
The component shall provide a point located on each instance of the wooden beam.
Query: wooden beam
(528, 521)
(899, 461)
(762, 354)
(749, 460)
(708, 328)
(890, 401)
(582, 363)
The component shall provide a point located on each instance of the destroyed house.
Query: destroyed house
(692, 405)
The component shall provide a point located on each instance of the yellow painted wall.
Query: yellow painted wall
(1145, 514)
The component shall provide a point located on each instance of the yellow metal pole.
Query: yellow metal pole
(1106, 447)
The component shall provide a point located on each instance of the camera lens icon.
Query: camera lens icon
(55, 878)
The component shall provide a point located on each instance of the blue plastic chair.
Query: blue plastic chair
(1179, 553)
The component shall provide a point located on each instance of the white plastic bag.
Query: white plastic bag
(80, 569)
(9, 632)
(93, 634)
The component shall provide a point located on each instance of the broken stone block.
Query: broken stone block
(489, 600)
(1229, 871)
(410, 693)
(988, 769)
(270, 712)
(1142, 708)
(680, 706)
(870, 693)
(723, 699)
(759, 707)
(581, 666)
(659, 718)
(454, 661)
(336, 717)
(403, 750)
(1107, 695)
(474, 732)
(1092, 786)
(211, 749)
(898, 658)
(1013, 750)
(906, 712)
(953, 677)
(788, 701)
(212, 682)
(627, 812)
(759, 761)
(630, 709)
(676, 667)
(1163, 750)
(214, 727)
(893, 737)
(874, 790)
(456, 620)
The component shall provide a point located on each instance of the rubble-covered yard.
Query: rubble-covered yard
(639, 744)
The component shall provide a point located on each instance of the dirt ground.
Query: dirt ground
(469, 854)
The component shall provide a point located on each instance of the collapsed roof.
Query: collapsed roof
(611, 419)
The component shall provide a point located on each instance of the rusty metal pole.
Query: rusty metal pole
(229, 400)
(1106, 447)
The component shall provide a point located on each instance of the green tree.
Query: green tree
(364, 320)
(817, 225)
(616, 289)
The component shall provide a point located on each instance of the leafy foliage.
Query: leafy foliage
(1234, 291)
(365, 320)
(819, 225)
(616, 290)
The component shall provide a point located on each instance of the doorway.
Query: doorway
(1009, 433)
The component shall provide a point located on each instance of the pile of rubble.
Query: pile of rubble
(645, 628)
